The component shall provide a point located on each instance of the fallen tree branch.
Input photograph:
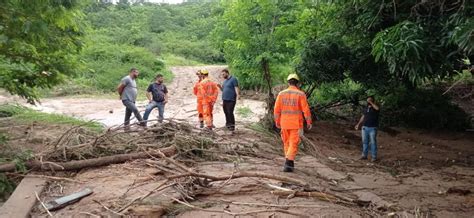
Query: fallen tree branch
(273, 205)
(108, 209)
(81, 164)
(42, 204)
(319, 195)
(47, 177)
(244, 174)
(236, 214)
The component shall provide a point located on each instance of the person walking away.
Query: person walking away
(290, 106)
(230, 95)
(209, 92)
(127, 89)
(157, 95)
(199, 97)
(369, 122)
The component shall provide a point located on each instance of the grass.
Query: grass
(244, 112)
(27, 115)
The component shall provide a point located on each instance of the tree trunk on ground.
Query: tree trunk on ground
(81, 164)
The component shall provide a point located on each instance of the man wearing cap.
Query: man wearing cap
(198, 95)
(209, 91)
(290, 106)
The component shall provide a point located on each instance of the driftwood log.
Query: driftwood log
(37, 165)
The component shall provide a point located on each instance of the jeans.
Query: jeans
(151, 106)
(130, 108)
(228, 107)
(369, 134)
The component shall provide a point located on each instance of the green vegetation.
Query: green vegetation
(27, 115)
(244, 112)
(38, 44)
(345, 50)
(401, 52)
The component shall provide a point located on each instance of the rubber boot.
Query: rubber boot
(201, 124)
(288, 167)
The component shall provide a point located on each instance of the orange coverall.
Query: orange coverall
(209, 92)
(197, 93)
(290, 106)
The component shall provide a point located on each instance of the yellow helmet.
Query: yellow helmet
(293, 76)
(204, 72)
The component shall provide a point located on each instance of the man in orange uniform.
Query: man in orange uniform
(199, 99)
(290, 106)
(209, 92)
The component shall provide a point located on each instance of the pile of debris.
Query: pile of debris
(176, 149)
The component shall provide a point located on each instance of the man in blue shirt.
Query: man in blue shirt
(157, 95)
(230, 94)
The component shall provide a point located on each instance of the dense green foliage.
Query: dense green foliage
(395, 49)
(142, 36)
(38, 40)
(399, 51)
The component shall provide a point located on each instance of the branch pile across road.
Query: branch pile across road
(168, 146)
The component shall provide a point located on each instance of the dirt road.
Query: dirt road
(182, 103)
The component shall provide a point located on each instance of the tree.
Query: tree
(254, 37)
(37, 43)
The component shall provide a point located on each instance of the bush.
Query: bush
(107, 64)
(422, 108)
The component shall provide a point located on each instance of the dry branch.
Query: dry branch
(81, 164)
(237, 214)
(244, 174)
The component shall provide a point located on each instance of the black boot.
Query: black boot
(288, 167)
(201, 124)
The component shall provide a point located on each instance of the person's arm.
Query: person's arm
(195, 89)
(122, 86)
(216, 93)
(237, 89)
(306, 111)
(357, 126)
(375, 106)
(166, 95)
(149, 94)
(277, 112)
(120, 89)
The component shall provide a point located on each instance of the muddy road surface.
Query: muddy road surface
(181, 106)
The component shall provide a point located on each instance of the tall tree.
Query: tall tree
(37, 43)
(257, 32)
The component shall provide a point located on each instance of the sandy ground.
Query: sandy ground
(182, 103)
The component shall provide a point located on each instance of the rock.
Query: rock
(421, 157)
(111, 111)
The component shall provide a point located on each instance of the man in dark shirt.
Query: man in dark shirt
(230, 94)
(157, 95)
(369, 122)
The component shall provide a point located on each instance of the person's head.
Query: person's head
(159, 78)
(198, 73)
(225, 73)
(370, 98)
(293, 79)
(133, 73)
(204, 73)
